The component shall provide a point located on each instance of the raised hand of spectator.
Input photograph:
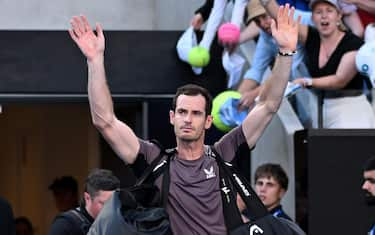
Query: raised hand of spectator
(197, 21)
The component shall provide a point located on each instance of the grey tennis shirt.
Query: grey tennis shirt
(194, 200)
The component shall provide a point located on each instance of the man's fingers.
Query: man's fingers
(99, 30)
(79, 28)
(72, 35)
(86, 24)
(291, 16)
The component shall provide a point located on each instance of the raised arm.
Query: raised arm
(118, 134)
(366, 5)
(344, 74)
(286, 34)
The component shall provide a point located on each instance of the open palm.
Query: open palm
(90, 44)
(286, 30)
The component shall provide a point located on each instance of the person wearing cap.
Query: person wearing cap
(330, 59)
(265, 53)
(99, 187)
(65, 193)
(331, 52)
(369, 186)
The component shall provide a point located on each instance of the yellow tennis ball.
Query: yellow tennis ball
(217, 102)
(198, 56)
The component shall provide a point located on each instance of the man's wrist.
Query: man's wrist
(287, 52)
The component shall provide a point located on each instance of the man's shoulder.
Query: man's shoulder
(68, 221)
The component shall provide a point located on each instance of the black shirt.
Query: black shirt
(7, 225)
(279, 212)
(349, 42)
(73, 222)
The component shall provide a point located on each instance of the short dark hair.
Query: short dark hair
(369, 164)
(101, 179)
(194, 90)
(272, 170)
(64, 183)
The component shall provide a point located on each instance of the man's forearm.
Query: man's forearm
(273, 88)
(100, 99)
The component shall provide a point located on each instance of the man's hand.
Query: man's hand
(90, 44)
(197, 21)
(247, 100)
(286, 30)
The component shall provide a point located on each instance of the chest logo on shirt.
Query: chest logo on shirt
(209, 173)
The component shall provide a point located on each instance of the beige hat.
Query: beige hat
(254, 9)
(332, 2)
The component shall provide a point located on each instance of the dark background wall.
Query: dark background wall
(334, 160)
(138, 63)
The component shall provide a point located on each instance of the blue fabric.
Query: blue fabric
(372, 231)
(229, 113)
(298, 4)
(267, 48)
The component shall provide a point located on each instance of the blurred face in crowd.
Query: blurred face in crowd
(65, 200)
(369, 186)
(326, 18)
(189, 118)
(269, 191)
(95, 204)
(264, 22)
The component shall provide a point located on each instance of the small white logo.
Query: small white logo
(225, 189)
(254, 229)
(209, 173)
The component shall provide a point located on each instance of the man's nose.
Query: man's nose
(365, 185)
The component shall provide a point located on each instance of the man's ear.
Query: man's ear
(86, 197)
(208, 123)
(171, 117)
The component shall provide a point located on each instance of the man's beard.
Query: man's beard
(369, 198)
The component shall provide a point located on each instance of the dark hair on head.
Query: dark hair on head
(272, 170)
(24, 220)
(194, 90)
(369, 164)
(65, 183)
(101, 179)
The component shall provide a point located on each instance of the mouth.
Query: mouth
(186, 128)
(324, 24)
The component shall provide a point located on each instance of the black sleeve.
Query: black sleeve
(62, 226)
(205, 9)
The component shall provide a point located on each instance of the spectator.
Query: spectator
(265, 52)
(330, 57)
(271, 184)
(369, 186)
(99, 187)
(65, 193)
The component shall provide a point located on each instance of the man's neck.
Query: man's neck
(190, 150)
